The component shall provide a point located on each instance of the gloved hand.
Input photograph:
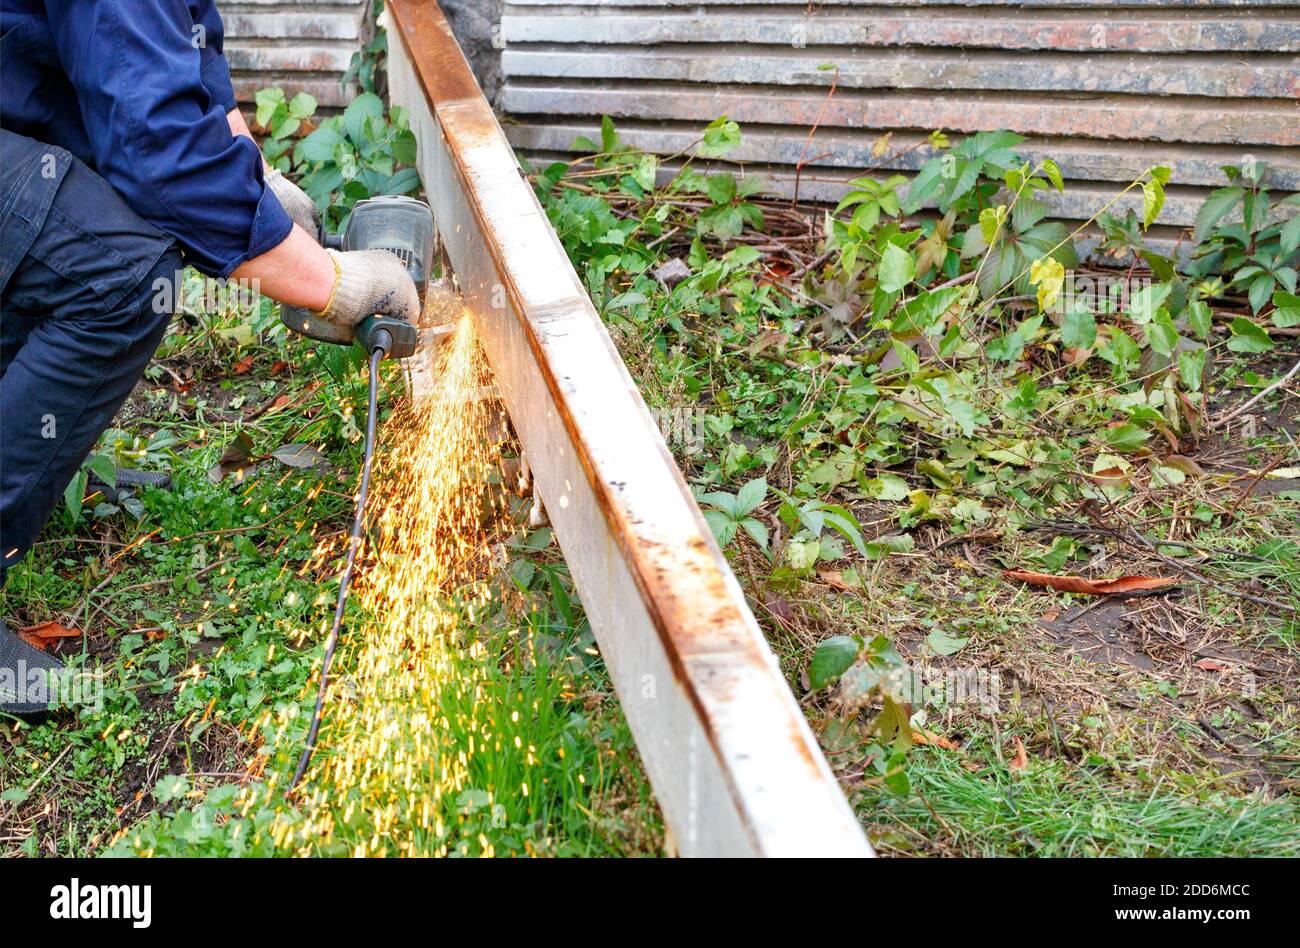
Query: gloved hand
(294, 200)
(370, 282)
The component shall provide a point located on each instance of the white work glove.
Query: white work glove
(294, 200)
(369, 282)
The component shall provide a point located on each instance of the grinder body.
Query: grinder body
(401, 225)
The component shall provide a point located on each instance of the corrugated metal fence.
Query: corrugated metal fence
(1106, 87)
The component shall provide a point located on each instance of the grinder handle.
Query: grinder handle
(306, 323)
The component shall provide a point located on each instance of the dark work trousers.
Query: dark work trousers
(87, 289)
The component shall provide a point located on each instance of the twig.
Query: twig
(1224, 419)
(821, 113)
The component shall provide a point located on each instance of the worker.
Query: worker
(123, 158)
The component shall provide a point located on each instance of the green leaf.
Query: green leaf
(363, 107)
(941, 643)
(897, 268)
(320, 144)
(750, 496)
(103, 467)
(756, 530)
(1287, 311)
(171, 787)
(1261, 288)
(1162, 337)
(1216, 205)
(909, 361)
(723, 527)
(1145, 302)
(802, 554)
(74, 493)
(1289, 238)
(405, 150)
(302, 106)
(1053, 172)
(1125, 437)
(1191, 367)
(721, 188)
(1199, 317)
(1079, 327)
(882, 546)
(831, 659)
(720, 137)
(1153, 199)
(1248, 336)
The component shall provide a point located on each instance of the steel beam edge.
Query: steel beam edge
(733, 763)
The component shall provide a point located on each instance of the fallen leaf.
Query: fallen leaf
(297, 455)
(1112, 476)
(280, 403)
(278, 366)
(46, 634)
(1184, 464)
(1052, 614)
(244, 365)
(837, 580)
(934, 740)
(237, 456)
(780, 609)
(1210, 665)
(1089, 587)
(1021, 760)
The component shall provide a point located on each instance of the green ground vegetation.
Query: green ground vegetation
(886, 405)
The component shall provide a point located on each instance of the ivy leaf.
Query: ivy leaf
(1125, 437)
(1216, 205)
(1287, 308)
(1162, 337)
(941, 643)
(1191, 367)
(1153, 199)
(750, 496)
(720, 137)
(1199, 317)
(897, 268)
(723, 527)
(1079, 328)
(1053, 172)
(832, 658)
(1248, 336)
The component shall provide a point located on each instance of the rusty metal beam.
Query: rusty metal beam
(733, 763)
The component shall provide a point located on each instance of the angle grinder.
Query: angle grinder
(401, 225)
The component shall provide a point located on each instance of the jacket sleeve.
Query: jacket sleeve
(158, 133)
(210, 33)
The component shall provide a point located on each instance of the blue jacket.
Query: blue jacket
(139, 91)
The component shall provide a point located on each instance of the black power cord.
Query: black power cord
(380, 345)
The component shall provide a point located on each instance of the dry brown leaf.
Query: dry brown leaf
(1112, 476)
(278, 366)
(46, 634)
(1052, 614)
(1089, 587)
(1021, 760)
(835, 579)
(1210, 665)
(244, 365)
(934, 740)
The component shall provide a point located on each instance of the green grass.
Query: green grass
(1056, 808)
(205, 619)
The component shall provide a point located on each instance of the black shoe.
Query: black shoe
(127, 479)
(28, 678)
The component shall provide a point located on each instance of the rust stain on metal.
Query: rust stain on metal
(693, 603)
